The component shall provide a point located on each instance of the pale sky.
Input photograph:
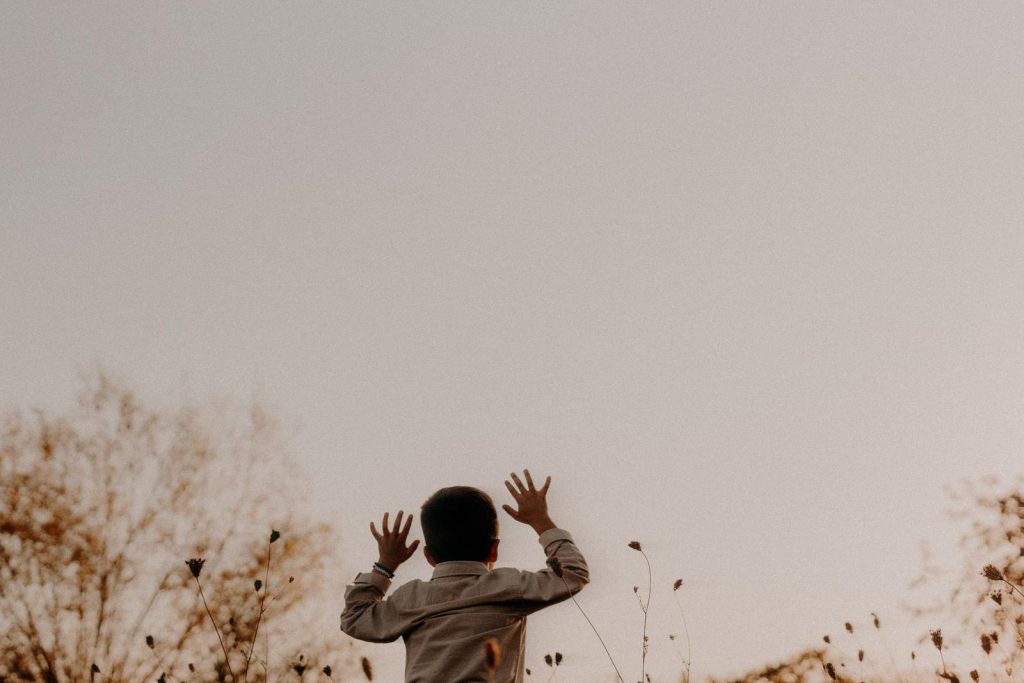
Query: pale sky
(745, 278)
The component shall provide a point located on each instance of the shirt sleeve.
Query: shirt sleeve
(368, 616)
(565, 575)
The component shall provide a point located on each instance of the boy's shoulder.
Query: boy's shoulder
(408, 587)
(508, 572)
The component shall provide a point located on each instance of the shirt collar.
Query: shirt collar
(459, 568)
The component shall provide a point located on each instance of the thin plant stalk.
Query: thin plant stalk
(992, 669)
(259, 618)
(645, 607)
(682, 660)
(227, 658)
(888, 651)
(594, 629)
(159, 664)
(686, 632)
(266, 591)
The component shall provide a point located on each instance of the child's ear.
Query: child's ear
(430, 558)
(493, 555)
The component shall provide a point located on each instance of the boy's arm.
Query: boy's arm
(567, 570)
(368, 616)
(566, 575)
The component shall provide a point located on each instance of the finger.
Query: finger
(405, 529)
(511, 513)
(547, 485)
(398, 522)
(373, 530)
(512, 490)
(519, 483)
(529, 481)
(384, 524)
(412, 548)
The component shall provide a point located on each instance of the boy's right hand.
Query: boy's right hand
(533, 504)
(392, 542)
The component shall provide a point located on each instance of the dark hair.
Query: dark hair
(459, 523)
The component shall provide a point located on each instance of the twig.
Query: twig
(227, 657)
(594, 628)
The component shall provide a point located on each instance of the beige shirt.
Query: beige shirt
(446, 621)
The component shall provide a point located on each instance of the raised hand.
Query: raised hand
(532, 503)
(391, 543)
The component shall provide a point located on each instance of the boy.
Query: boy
(446, 621)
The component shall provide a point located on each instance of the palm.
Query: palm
(392, 543)
(531, 502)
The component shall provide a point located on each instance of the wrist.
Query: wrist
(388, 563)
(542, 524)
(384, 570)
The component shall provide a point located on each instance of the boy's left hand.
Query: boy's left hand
(391, 544)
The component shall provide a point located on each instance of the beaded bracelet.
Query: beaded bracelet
(381, 569)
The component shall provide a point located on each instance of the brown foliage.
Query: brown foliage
(806, 667)
(99, 508)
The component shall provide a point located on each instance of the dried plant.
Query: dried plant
(645, 606)
(687, 661)
(806, 666)
(100, 503)
(556, 568)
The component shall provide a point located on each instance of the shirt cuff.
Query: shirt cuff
(375, 579)
(552, 535)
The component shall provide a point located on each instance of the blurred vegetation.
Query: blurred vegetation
(983, 598)
(101, 505)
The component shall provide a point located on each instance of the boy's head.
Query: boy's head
(460, 523)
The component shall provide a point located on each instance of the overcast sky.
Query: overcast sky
(745, 278)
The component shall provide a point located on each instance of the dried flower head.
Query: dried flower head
(876, 621)
(849, 627)
(195, 565)
(951, 677)
(830, 670)
(991, 573)
(635, 545)
(827, 639)
(492, 654)
(936, 638)
(677, 585)
(860, 655)
(986, 643)
(367, 668)
(274, 535)
(558, 658)
(150, 642)
(258, 585)
(974, 675)
(548, 660)
(997, 597)
(327, 670)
